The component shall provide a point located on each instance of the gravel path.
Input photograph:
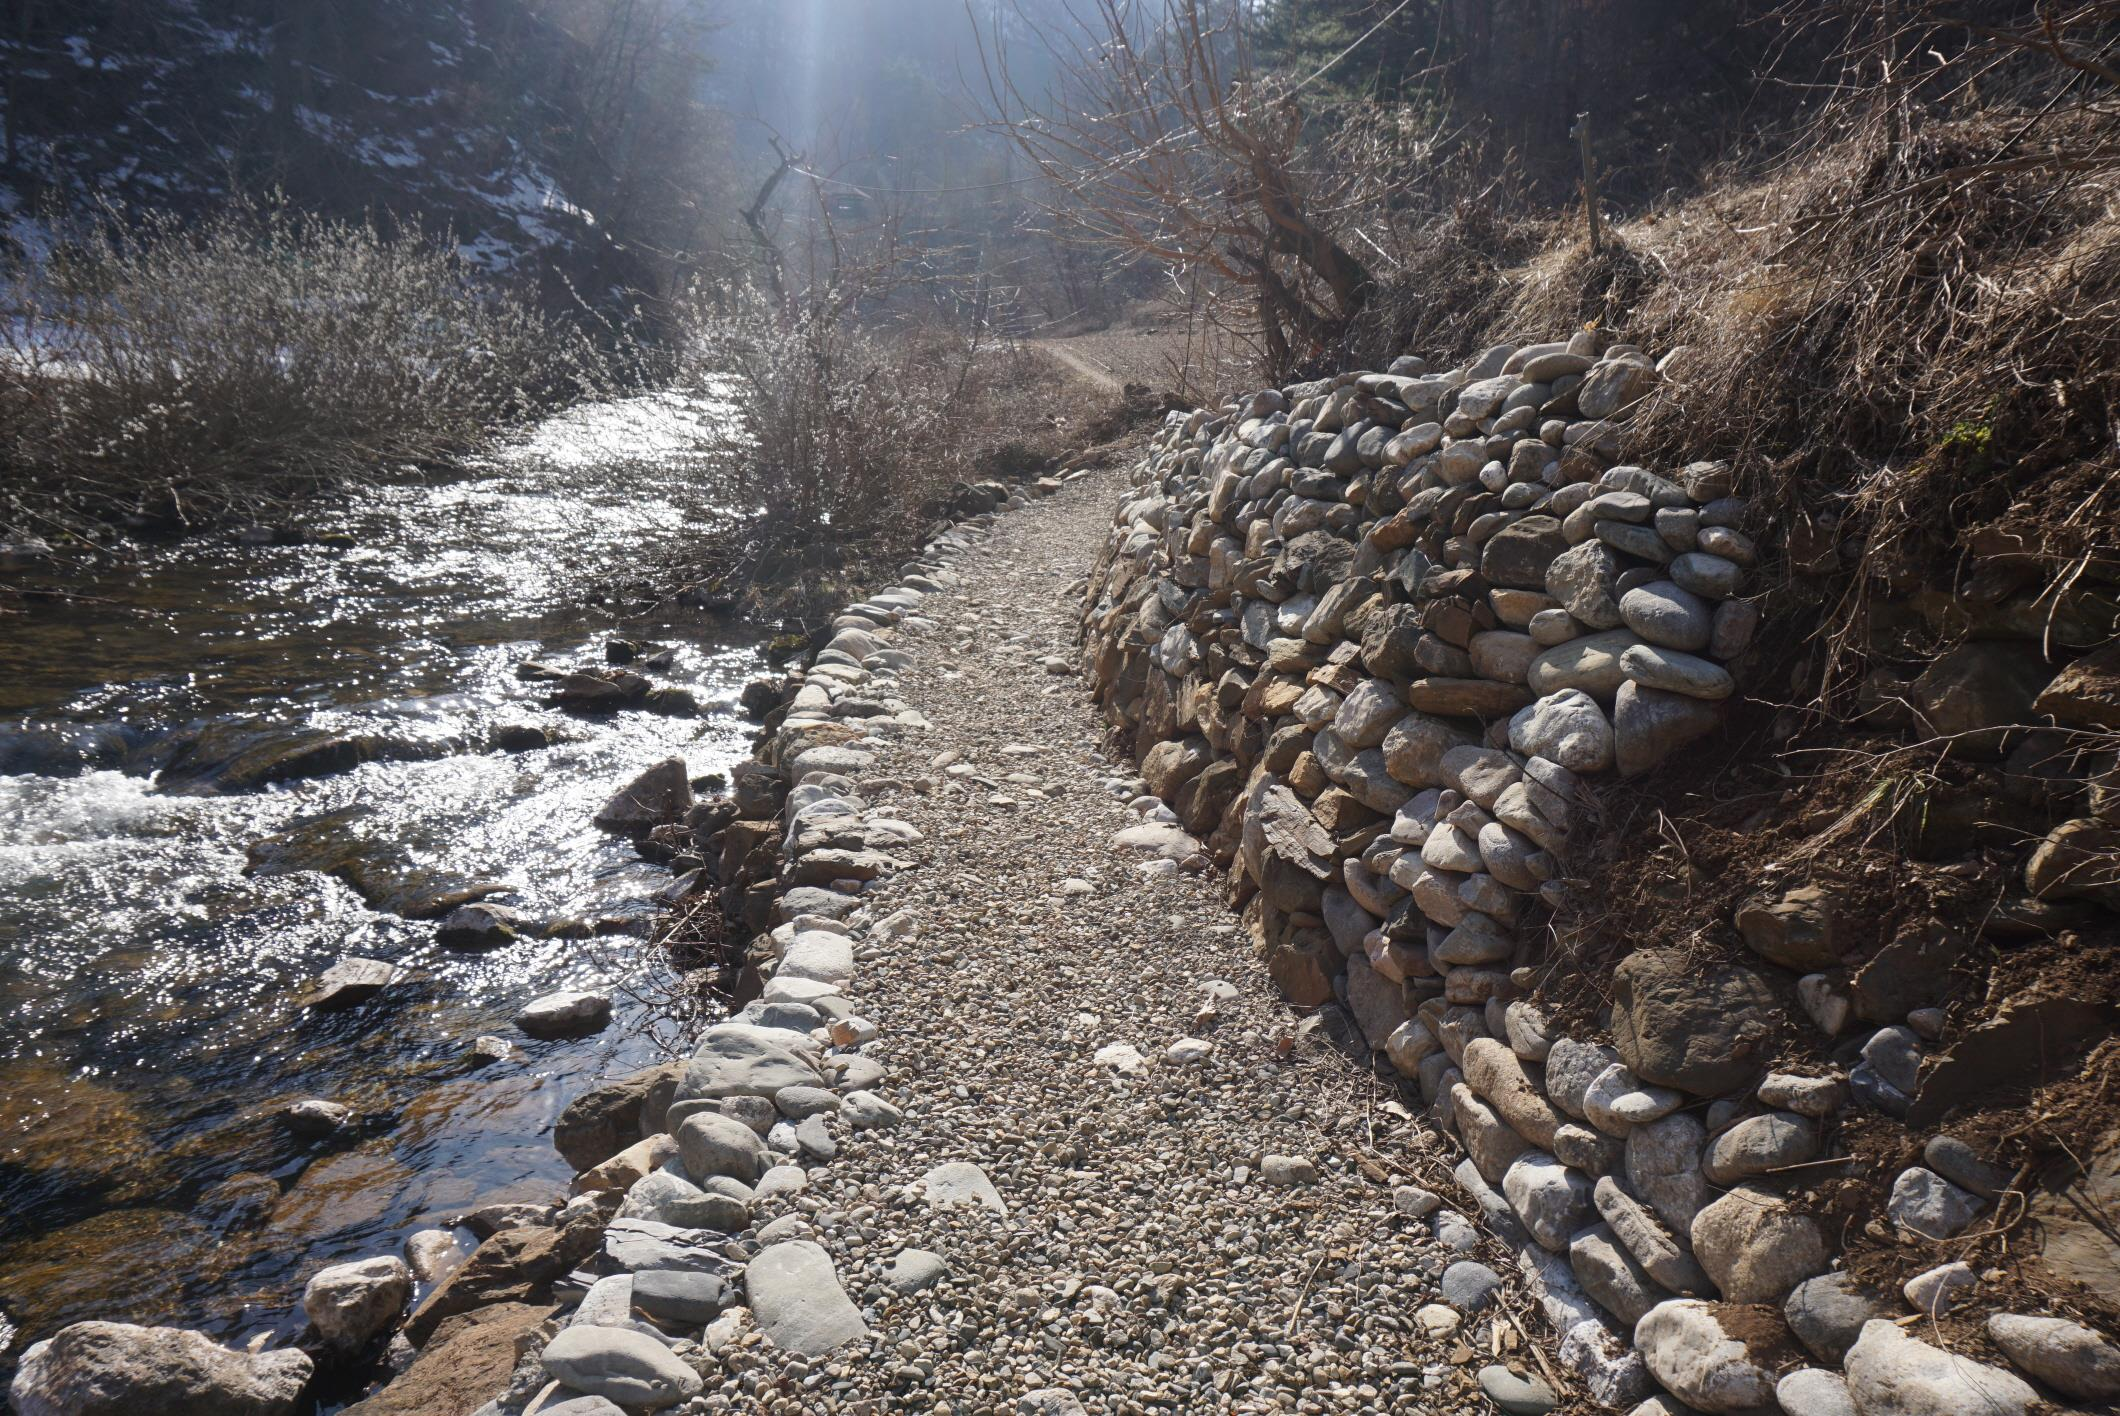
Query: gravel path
(1144, 1263)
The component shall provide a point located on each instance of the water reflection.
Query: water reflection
(150, 1022)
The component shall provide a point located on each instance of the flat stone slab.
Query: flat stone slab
(739, 1060)
(959, 1182)
(816, 955)
(796, 1298)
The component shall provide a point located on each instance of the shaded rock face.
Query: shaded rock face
(117, 1369)
(660, 795)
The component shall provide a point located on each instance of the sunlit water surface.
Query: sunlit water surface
(150, 990)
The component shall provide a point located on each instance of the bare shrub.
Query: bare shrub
(847, 436)
(178, 373)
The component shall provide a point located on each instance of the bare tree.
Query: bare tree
(1162, 140)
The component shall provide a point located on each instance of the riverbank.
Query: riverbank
(351, 707)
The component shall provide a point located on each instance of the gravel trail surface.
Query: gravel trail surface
(1034, 982)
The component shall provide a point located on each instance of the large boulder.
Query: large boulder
(1517, 555)
(736, 1059)
(118, 1369)
(463, 1363)
(1705, 1028)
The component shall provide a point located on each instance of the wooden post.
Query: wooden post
(1597, 231)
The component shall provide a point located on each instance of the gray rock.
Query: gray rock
(721, 1145)
(119, 1369)
(1664, 614)
(815, 1140)
(796, 1298)
(658, 796)
(313, 1118)
(1567, 727)
(1551, 1199)
(1648, 725)
(1571, 1066)
(1760, 1145)
(1663, 1168)
(1685, 1347)
(571, 1406)
(1957, 1162)
(1708, 576)
(736, 1060)
(1287, 1170)
(1890, 1373)
(1662, 1256)
(1049, 1401)
(1455, 1232)
(1584, 579)
(1812, 1391)
(1925, 1204)
(1827, 1313)
(637, 1245)
(1756, 1247)
(625, 1367)
(668, 1198)
(1469, 1285)
(1415, 1202)
(1816, 1097)
(1705, 1028)
(1610, 1274)
(1517, 1395)
(866, 1111)
(1591, 664)
(1940, 1289)
(1652, 666)
(797, 1102)
(913, 1270)
(959, 1182)
(351, 1305)
(683, 1299)
(349, 981)
(571, 1013)
(2069, 1357)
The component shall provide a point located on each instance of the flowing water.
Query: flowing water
(151, 1013)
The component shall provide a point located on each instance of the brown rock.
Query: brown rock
(1517, 555)
(1497, 1074)
(514, 1266)
(1913, 971)
(1976, 692)
(2086, 694)
(1467, 697)
(467, 1359)
(2078, 860)
(1302, 966)
(606, 1119)
(1797, 930)
(1706, 1028)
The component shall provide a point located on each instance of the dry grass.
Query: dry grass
(169, 374)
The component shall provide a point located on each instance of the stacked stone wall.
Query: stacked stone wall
(1374, 641)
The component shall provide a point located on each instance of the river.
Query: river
(151, 988)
